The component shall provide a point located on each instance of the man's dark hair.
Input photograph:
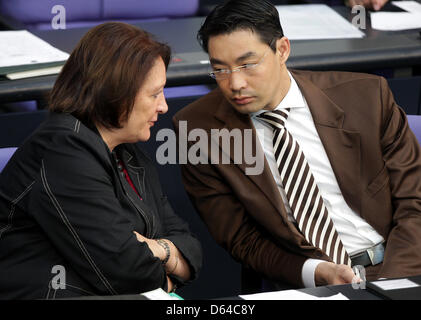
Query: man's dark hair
(259, 16)
(100, 80)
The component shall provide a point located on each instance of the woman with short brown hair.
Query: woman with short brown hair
(79, 196)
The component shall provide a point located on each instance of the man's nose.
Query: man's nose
(237, 80)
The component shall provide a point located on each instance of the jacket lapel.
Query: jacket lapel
(141, 201)
(264, 181)
(136, 172)
(342, 146)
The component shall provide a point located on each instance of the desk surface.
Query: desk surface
(401, 291)
(326, 291)
(377, 50)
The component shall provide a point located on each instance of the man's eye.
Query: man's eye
(248, 65)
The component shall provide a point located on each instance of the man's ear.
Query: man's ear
(283, 48)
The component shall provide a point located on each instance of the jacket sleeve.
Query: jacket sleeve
(234, 229)
(75, 204)
(402, 156)
(176, 229)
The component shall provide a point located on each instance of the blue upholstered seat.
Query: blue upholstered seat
(37, 14)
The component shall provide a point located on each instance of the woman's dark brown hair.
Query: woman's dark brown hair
(101, 78)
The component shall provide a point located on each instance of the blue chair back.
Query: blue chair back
(37, 14)
(5, 155)
(15, 127)
(414, 122)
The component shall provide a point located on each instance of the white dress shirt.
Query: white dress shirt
(355, 233)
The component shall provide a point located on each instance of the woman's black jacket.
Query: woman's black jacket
(67, 217)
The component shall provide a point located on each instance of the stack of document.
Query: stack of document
(290, 295)
(24, 55)
(315, 21)
(395, 21)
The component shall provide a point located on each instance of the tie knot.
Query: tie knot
(276, 118)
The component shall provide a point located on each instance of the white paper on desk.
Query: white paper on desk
(395, 21)
(158, 294)
(410, 6)
(34, 73)
(395, 284)
(22, 47)
(289, 295)
(315, 21)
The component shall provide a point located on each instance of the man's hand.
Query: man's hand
(329, 273)
(369, 4)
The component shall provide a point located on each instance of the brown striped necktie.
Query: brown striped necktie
(302, 192)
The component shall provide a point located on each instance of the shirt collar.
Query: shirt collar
(293, 98)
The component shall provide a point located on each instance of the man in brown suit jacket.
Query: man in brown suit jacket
(372, 156)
